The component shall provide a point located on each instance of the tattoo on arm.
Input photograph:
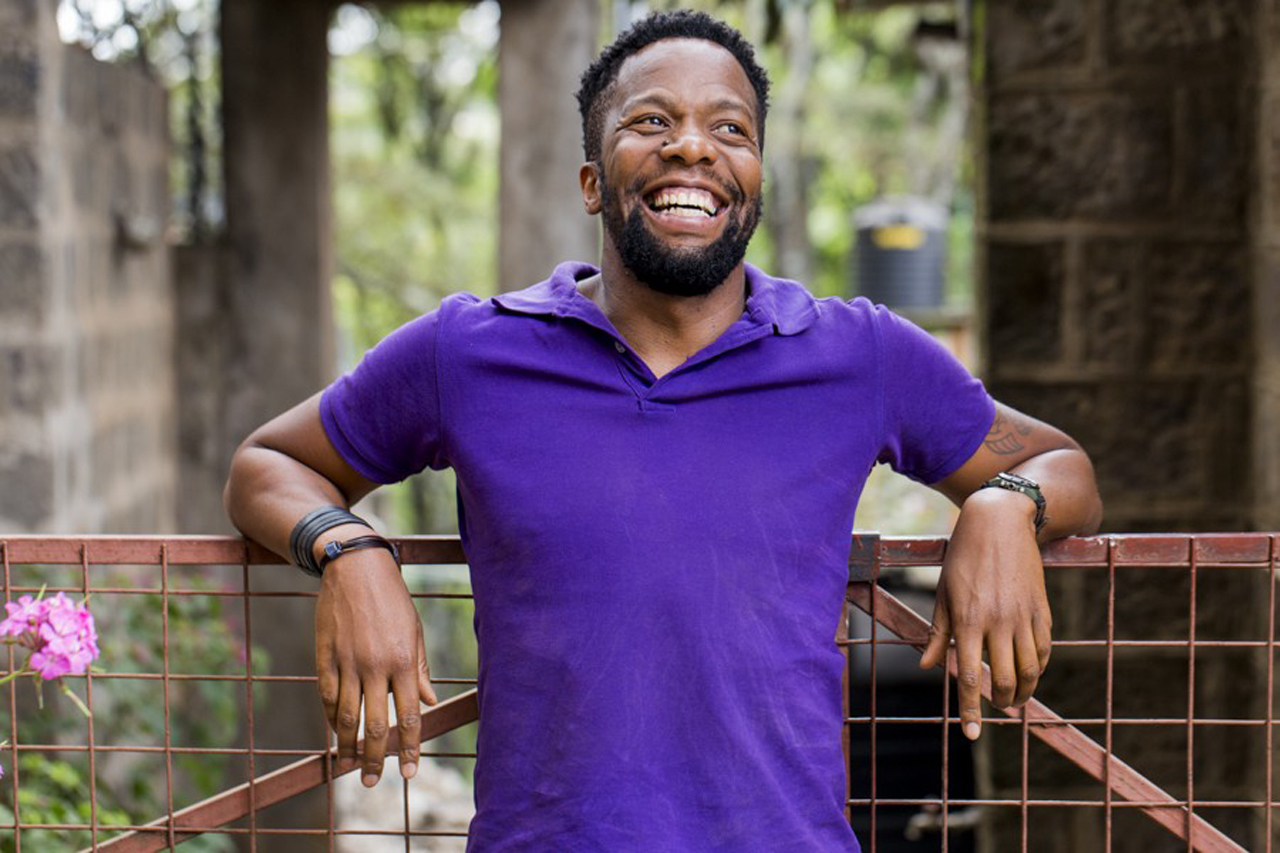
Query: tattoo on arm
(1006, 434)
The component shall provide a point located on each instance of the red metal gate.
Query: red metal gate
(1217, 589)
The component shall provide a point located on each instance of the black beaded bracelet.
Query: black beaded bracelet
(302, 541)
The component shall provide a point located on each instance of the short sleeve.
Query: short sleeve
(935, 413)
(384, 417)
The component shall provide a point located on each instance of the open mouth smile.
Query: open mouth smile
(684, 202)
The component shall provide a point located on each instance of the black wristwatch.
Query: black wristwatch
(1025, 485)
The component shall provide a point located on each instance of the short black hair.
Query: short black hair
(599, 78)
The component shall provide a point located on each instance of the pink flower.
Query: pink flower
(26, 614)
(70, 640)
(60, 633)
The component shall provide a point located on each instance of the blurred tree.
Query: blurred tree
(415, 159)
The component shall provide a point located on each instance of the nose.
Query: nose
(689, 145)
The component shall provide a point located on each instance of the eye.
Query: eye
(651, 121)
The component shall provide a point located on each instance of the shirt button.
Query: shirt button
(619, 347)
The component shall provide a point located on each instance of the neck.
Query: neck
(664, 330)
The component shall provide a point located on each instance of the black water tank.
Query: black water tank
(902, 252)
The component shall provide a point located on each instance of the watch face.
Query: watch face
(1025, 485)
(1018, 480)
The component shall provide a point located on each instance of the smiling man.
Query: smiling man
(658, 464)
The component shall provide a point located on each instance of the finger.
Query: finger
(375, 731)
(1004, 673)
(1028, 660)
(425, 690)
(969, 677)
(347, 721)
(327, 684)
(1042, 631)
(939, 636)
(408, 721)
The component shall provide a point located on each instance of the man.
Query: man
(658, 463)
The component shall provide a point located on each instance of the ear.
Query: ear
(589, 180)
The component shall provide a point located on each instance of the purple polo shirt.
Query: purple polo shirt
(658, 565)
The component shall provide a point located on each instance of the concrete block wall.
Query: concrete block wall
(86, 320)
(1266, 293)
(1118, 144)
(1122, 293)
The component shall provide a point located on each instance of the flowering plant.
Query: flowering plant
(60, 637)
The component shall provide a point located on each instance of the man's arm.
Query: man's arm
(992, 586)
(368, 635)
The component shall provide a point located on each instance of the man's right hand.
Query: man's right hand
(368, 644)
(368, 635)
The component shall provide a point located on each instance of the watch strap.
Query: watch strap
(1024, 485)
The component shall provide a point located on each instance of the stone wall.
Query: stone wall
(1266, 292)
(1119, 138)
(1122, 293)
(86, 383)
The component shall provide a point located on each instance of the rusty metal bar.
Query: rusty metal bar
(871, 708)
(846, 681)
(1157, 550)
(278, 785)
(946, 737)
(248, 711)
(164, 660)
(88, 698)
(332, 741)
(1108, 749)
(197, 550)
(1191, 706)
(1271, 679)
(13, 717)
(1025, 732)
(1069, 741)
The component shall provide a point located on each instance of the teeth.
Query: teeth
(686, 202)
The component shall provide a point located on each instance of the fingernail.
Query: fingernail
(407, 769)
(369, 780)
(971, 730)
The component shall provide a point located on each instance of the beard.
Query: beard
(678, 272)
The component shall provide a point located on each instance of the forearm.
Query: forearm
(284, 470)
(268, 492)
(1018, 444)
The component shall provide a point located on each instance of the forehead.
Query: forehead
(686, 67)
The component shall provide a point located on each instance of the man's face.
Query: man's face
(679, 180)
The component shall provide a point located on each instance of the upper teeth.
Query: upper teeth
(685, 197)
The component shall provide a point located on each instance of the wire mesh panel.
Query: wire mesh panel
(1152, 729)
(178, 698)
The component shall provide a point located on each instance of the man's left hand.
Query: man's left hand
(992, 592)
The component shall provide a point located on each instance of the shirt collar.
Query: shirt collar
(777, 302)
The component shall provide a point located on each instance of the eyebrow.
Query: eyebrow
(663, 100)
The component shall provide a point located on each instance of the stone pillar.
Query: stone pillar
(279, 231)
(30, 372)
(86, 384)
(277, 345)
(1266, 292)
(1118, 274)
(544, 47)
